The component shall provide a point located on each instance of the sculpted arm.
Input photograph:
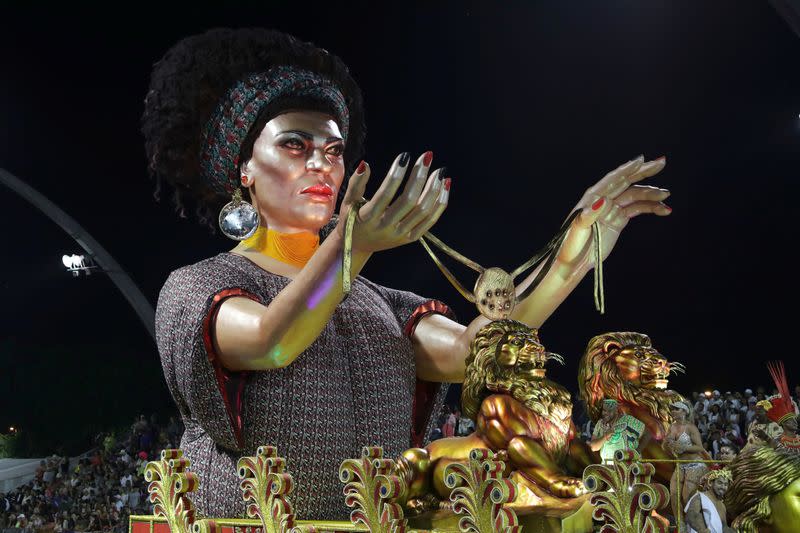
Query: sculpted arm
(612, 202)
(441, 345)
(251, 336)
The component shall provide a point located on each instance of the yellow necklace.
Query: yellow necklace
(291, 248)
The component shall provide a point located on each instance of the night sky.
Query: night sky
(527, 106)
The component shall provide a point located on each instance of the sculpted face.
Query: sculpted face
(785, 507)
(296, 171)
(643, 366)
(522, 353)
(790, 425)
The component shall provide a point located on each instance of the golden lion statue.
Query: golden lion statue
(519, 414)
(625, 367)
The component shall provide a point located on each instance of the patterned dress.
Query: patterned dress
(791, 444)
(626, 430)
(772, 430)
(353, 387)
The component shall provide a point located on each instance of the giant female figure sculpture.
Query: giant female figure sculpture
(257, 344)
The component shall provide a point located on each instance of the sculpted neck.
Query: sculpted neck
(291, 248)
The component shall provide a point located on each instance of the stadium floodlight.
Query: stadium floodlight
(77, 264)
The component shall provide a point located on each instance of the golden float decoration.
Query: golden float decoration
(623, 495)
(479, 492)
(266, 486)
(371, 490)
(169, 485)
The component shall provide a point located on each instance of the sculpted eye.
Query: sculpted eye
(337, 149)
(294, 144)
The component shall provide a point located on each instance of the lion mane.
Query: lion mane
(599, 377)
(547, 399)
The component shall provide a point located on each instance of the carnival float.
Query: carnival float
(523, 467)
(266, 132)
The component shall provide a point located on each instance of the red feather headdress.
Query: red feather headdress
(782, 406)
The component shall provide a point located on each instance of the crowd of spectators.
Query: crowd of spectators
(708, 431)
(452, 424)
(724, 419)
(97, 492)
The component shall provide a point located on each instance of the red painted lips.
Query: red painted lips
(323, 189)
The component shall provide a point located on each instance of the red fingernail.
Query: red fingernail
(427, 158)
(662, 158)
(447, 184)
(668, 208)
(598, 204)
(361, 167)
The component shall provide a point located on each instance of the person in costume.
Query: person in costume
(782, 410)
(762, 430)
(614, 431)
(705, 512)
(789, 440)
(683, 441)
(727, 453)
(764, 495)
(259, 344)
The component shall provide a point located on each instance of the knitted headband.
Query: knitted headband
(239, 109)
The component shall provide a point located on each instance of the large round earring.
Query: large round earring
(238, 219)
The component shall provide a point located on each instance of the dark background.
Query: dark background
(527, 105)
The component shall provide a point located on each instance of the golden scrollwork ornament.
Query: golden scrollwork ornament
(479, 491)
(371, 490)
(169, 485)
(266, 486)
(624, 497)
(494, 292)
